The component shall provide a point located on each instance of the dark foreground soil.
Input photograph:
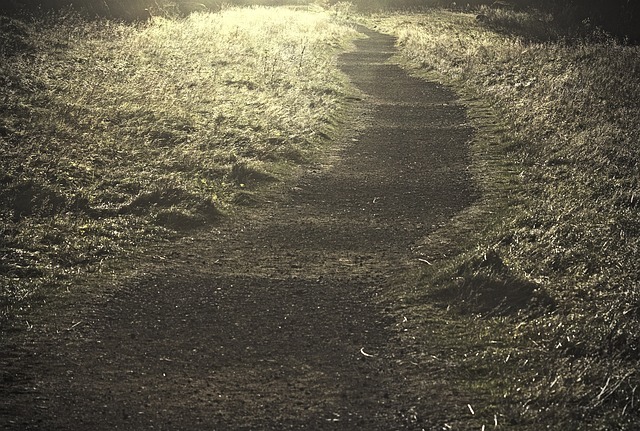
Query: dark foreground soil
(276, 319)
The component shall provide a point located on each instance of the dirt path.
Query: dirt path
(276, 321)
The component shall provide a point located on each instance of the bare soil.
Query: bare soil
(280, 317)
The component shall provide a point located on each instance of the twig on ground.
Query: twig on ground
(365, 353)
(74, 325)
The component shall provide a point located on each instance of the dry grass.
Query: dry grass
(116, 134)
(570, 230)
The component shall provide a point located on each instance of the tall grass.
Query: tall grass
(132, 10)
(569, 108)
(114, 134)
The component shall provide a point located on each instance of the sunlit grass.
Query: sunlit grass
(113, 134)
(569, 109)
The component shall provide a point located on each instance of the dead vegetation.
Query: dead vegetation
(114, 134)
(560, 235)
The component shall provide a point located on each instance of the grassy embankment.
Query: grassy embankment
(116, 135)
(550, 267)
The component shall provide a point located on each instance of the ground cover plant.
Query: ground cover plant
(562, 231)
(113, 134)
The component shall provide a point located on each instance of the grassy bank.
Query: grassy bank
(551, 256)
(113, 135)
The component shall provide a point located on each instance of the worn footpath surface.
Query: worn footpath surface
(277, 319)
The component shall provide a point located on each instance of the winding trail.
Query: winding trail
(277, 320)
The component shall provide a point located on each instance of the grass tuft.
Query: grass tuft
(483, 284)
